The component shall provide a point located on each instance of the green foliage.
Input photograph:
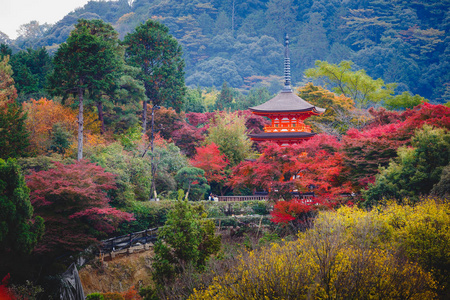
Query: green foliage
(357, 85)
(416, 170)
(404, 101)
(95, 296)
(187, 238)
(149, 214)
(194, 101)
(225, 98)
(133, 172)
(86, 62)
(442, 188)
(19, 232)
(159, 56)
(31, 68)
(193, 181)
(228, 132)
(14, 140)
(61, 139)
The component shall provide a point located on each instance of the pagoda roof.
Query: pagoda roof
(282, 135)
(286, 101)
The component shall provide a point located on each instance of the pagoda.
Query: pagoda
(287, 111)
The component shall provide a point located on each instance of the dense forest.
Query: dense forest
(241, 42)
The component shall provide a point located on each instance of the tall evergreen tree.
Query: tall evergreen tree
(107, 33)
(158, 54)
(18, 232)
(86, 62)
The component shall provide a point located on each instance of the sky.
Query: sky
(14, 13)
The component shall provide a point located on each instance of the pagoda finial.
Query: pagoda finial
(287, 66)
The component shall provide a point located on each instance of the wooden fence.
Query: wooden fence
(242, 198)
(305, 196)
(130, 240)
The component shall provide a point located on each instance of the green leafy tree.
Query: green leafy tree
(19, 232)
(31, 68)
(159, 56)
(5, 50)
(86, 62)
(417, 169)
(225, 97)
(228, 132)
(404, 101)
(193, 181)
(357, 85)
(14, 140)
(61, 139)
(187, 238)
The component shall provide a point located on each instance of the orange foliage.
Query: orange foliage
(8, 92)
(42, 115)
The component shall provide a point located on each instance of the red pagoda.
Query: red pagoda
(287, 111)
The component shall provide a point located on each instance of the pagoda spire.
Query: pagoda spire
(287, 66)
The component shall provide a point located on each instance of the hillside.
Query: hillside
(240, 42)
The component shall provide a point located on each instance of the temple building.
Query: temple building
(287, 111)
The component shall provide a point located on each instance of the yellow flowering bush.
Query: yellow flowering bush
(390, 252)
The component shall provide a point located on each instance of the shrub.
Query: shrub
(391, 252)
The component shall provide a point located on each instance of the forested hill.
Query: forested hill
(240, 41)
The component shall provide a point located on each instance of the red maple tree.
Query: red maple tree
(73, 201)
(210, 160)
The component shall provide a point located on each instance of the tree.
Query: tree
(354, 84)
(86, 62)
(403, 101)
(225, 97)
(42, 116)
(193, 181)
(14, 137)
(31, 69)
(416, 170)
(107, 33)
(13, 134)
(228, 132)
(187, 238)
(367, 150)
(72, 200)
(8, 92)
(215, 165)
(280, 170)
(334, 105)
(19, 231)
(159, 56)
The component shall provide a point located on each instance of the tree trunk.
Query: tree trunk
(100, 117)
(144, 117)
(80, 124)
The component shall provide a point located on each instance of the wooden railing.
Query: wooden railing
(129, 240)
(242, 198)
(306, 196)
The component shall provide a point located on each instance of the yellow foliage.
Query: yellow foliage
(209, 98)
(349, 254)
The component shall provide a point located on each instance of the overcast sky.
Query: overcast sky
(14, 13)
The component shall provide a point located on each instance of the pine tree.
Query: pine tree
(159, 56)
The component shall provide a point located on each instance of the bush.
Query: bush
(391, 252)
(149, 214)
(95, 296)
